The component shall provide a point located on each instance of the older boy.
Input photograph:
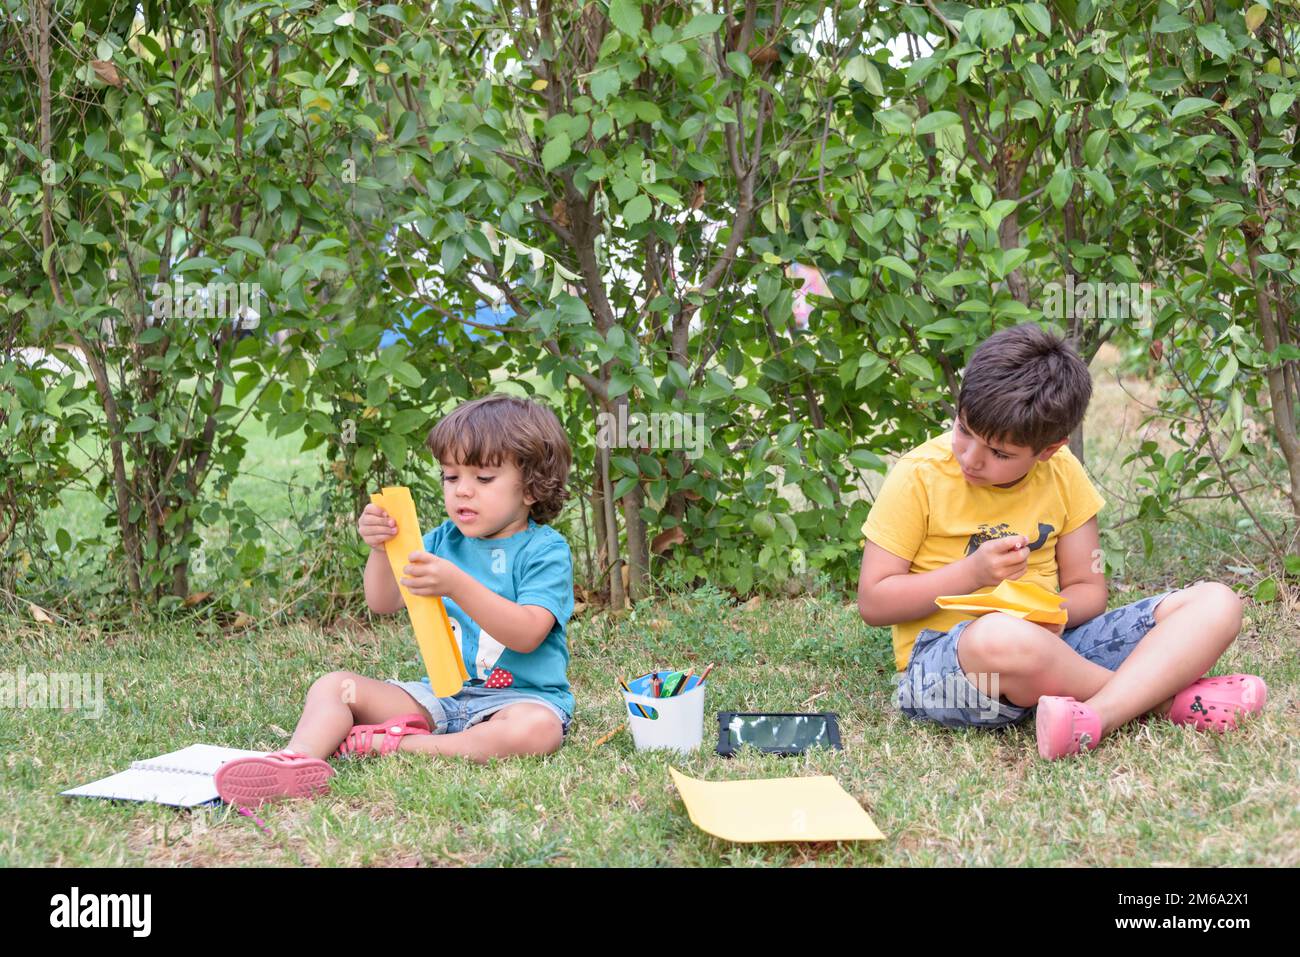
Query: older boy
(1001, 497)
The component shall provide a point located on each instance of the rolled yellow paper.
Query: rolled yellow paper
(438, 646)
(1027, 600)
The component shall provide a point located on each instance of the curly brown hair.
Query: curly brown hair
(484, 432)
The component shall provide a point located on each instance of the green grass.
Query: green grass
(1154, 794)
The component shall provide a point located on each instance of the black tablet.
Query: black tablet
(785, 733)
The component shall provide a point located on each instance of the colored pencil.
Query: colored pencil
(640, 709)
(685, 680)
(605, 738)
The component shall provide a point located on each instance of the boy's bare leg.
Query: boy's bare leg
(1027, 661)
(340, 699)
(1193, 628)
(519, 729)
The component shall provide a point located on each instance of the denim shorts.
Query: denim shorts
(933, 687)
(470, 705)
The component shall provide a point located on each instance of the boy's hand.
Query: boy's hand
(429, 575)
(376, 526)
(1000, 559)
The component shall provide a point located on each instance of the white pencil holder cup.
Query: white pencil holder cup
(676, 722)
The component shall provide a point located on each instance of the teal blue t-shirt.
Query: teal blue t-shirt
(532, 567)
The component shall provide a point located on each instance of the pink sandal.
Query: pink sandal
(251, 782)
(1063, 726)
(361, 737)
(1214, 704)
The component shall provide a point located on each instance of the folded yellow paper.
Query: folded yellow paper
(438, 646)
(1026, 600)
(775, 809)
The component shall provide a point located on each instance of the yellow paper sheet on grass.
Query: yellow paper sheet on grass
(775, 809)
(1026, 600)
(438, 646)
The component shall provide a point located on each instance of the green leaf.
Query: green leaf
(394, 448)
(1060, 186)
(626, 15)
(246, 244)
(1037, 16)
(1191, 104)
(408, 375)
(897, 265)
(556, 151)
(95, 143)
(1214, 39)
(330, 356)
(407, 421)
(142, 423)
(619, 382)
(637, 210)
(861, 69)
(1095, 147)
(198, 262)
(918, 367)
(1027, 110)
(1266, 591)
(673, 53)
(1039, 83)
(962, 277)
(623, 486)
(1101, 185)
(996, 28)
(1174, 23)
(705, 23)
(894, 121)
(604, 84)
(739, 63)
(937, 120)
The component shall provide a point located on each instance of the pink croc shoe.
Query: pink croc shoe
(251, 782)
(1214, 704)
(1064, 725)
(360, 739)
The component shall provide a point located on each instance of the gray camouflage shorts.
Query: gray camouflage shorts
(934, 688)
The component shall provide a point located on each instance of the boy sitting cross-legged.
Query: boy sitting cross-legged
(1001, 497)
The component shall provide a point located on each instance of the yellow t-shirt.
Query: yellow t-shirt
(929, 514)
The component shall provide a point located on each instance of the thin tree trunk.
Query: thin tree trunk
(1284, 424)
(130, 541)
(614, 565)
(638, 545)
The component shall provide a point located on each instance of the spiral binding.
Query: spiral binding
(146, 766)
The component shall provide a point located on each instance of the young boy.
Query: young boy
(506, 579)
(1001, 497)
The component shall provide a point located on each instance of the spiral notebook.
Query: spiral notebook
(182, 778)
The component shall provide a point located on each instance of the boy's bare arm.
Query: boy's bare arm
(1083, 583)
(382, 594)
(519, 627)
(889, 593)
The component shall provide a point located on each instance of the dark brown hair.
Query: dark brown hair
(1024, 386)
(484, 432)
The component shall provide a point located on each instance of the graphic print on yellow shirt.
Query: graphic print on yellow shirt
(929, 514)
